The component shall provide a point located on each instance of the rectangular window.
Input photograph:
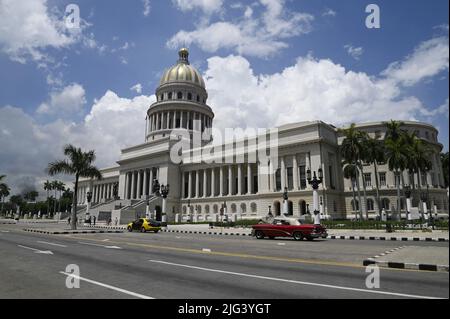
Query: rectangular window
(396, 179)
(302, 171)
(368, 179)
(255, 184)
(278, 180)
(382, 179)
(423, 179)
(290, 178)
(331, 176)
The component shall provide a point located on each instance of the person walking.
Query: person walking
(95, 219)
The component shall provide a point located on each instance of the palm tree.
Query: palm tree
(394, 130)
(61, 187)
(48, 188)
(396, 155)
(79, 163)
(351, 172)
(444, 161)
(4, 192)
(374, 154)
(55, 185)
(352, 152)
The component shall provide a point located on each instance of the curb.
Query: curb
(429, 239)
(204, 232)
(400, 265)
(107, 227)
(7, 223)
(412, 266)
(72, 232)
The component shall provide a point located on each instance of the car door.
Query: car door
(137, 224)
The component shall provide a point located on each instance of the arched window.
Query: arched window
(243, 208)
(355, 207)
(169, 96)
(385, 203)
(302, 207)
(334, 207)
(161, 97)
(254, 207)
(370, 205)
(233, 208)
(189, 96)
(215, 209)
(179, 95)
(207, 209)
(184, 210)
(198, 98)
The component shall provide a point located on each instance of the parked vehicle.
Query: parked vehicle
(289, 227)
(144, 225)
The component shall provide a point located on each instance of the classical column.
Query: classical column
(188, 120)
(295, 172)
(205, 182)
(133, 185)
(126, 186)
(151, 181)
(249, 178)
(230, 180)
(213, 182)
(308, 165)
(239, 190)
(197, 183)
(181, 119)
(190, 185)
(145, 191)
(168, 120)
(221, 181)
(283, 174)
(138, 188)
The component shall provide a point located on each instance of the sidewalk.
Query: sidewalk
(413, 257)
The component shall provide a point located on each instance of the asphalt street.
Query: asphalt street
(188, 266)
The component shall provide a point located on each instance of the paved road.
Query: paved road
(167, 265)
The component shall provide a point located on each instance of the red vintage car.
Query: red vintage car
(289, 227)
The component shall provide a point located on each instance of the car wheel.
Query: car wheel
(156, 231)
(259, 235)
(271, 237)
(309, 238)
(143, 230)
(298, 236)
(130, 229)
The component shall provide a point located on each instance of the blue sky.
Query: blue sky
(59, 86)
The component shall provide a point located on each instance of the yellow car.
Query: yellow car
(144, 225)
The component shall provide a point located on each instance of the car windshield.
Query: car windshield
(290, 221)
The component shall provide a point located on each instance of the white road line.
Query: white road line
(46, 252)
(5, 231)
(52, 244)
(296, 282)
(206, 250)
(134, 294)
(108, 247)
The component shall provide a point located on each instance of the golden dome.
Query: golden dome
(182, 71)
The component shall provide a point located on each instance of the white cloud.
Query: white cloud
(260, 36)
(112, 124)
(430, 58)
(137, 88)
(27, 28)
(207, 6)
(354, 52)
(311, 89)
(147, 7)
(66, 102)
(329, 13)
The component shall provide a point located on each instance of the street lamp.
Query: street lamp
(88, 205)
(315, 181)
(161, 191)
(408, 201)
(285, 201)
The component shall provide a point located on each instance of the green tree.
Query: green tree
(79, 164)
(374, 153)
(31, 196)
(48, 188)
(352, 152)
(4, 192)
(351, 172)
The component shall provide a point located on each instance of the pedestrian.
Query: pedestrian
(95, 218)
(90, 221)
(116, 221)
(109, 221)
(68, 221)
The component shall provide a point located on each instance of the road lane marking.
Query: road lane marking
(108, 247)
(134, 294)
(52, 244)
(281, 244)
(37, 251)
(248, 256)
(5, 231)
(206, 250)
(295, 281)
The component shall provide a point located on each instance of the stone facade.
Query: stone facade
(199, 190)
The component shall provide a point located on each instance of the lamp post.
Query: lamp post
(408, 201)
(315, 181)
(161, 191)
(285, 202)
(88, 205)
(189, 210)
